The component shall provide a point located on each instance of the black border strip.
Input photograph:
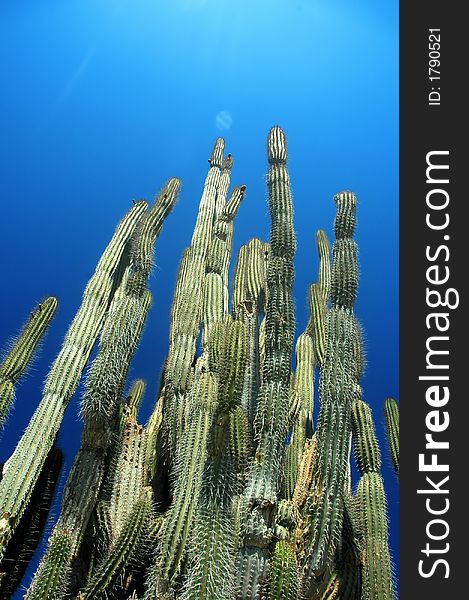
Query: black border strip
(433, 123)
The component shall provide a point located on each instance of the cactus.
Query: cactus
(122, 550)
(21, 351)
(391, 412)
(339, 375)
(23, 468)
(284, 575)
(369, 510)
(119, 339)
(229, 491)
(248, 299)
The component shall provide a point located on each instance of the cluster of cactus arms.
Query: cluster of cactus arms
(230, 491)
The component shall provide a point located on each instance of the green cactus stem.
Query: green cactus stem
(324, 275)
(366, 449)
(316, 326)
(369, 510)
(284, 574)
(247, 303)
(119, 339)
(122, 551)
(391, 412)
(272, 412)
(24, 466)
(186, 312)
(21, 352)
(130, 475)
(305, 472)
(303, 389)
(339, 376)
(48, 582)
(191, 453)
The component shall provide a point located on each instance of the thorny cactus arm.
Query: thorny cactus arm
(272, 411)
(21, 351)
(122, 551)
(47, 584)
(218, 260)
(303, 388)
(24, 466)
(186, 311)
(369, 509)
(119, 339)
(211, 554)
(284, 574)
(247, 302)
(189, 464)
(33, 523)
(339, 375)
(324, 275)
(271, 422)
(391, 412)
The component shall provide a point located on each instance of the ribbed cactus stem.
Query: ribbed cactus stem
(27, 536)
(48, 581)
(316, 326)
(303, 390)
(135, 397)
(187, 307)
(191, 453)
(218, 260)
(247, 301)
(212, 548)
(24, 466)
(152, 429)
(130, 475)
(376, 563)
(121, 552)
(369, 509)
(271, 421)
(339, 376)
(305, 472)
(284, 574)
(211, 554)
(21, 351)
(324, 254)
(391, 412)
(119, 339)
(127, 314)
(240, 441)
(272, 412)
(366, 448)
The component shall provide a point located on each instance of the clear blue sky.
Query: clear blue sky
(103, 101)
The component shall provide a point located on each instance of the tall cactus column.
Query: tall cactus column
(338, 380)
(271, 422)
(119, 339)
(17, 359)
(24, 466)
(186, 311)
(369, 509)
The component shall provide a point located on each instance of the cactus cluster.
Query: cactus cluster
(230, 491)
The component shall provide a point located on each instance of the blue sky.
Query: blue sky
(103, 101)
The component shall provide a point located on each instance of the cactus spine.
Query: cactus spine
(17, 359)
